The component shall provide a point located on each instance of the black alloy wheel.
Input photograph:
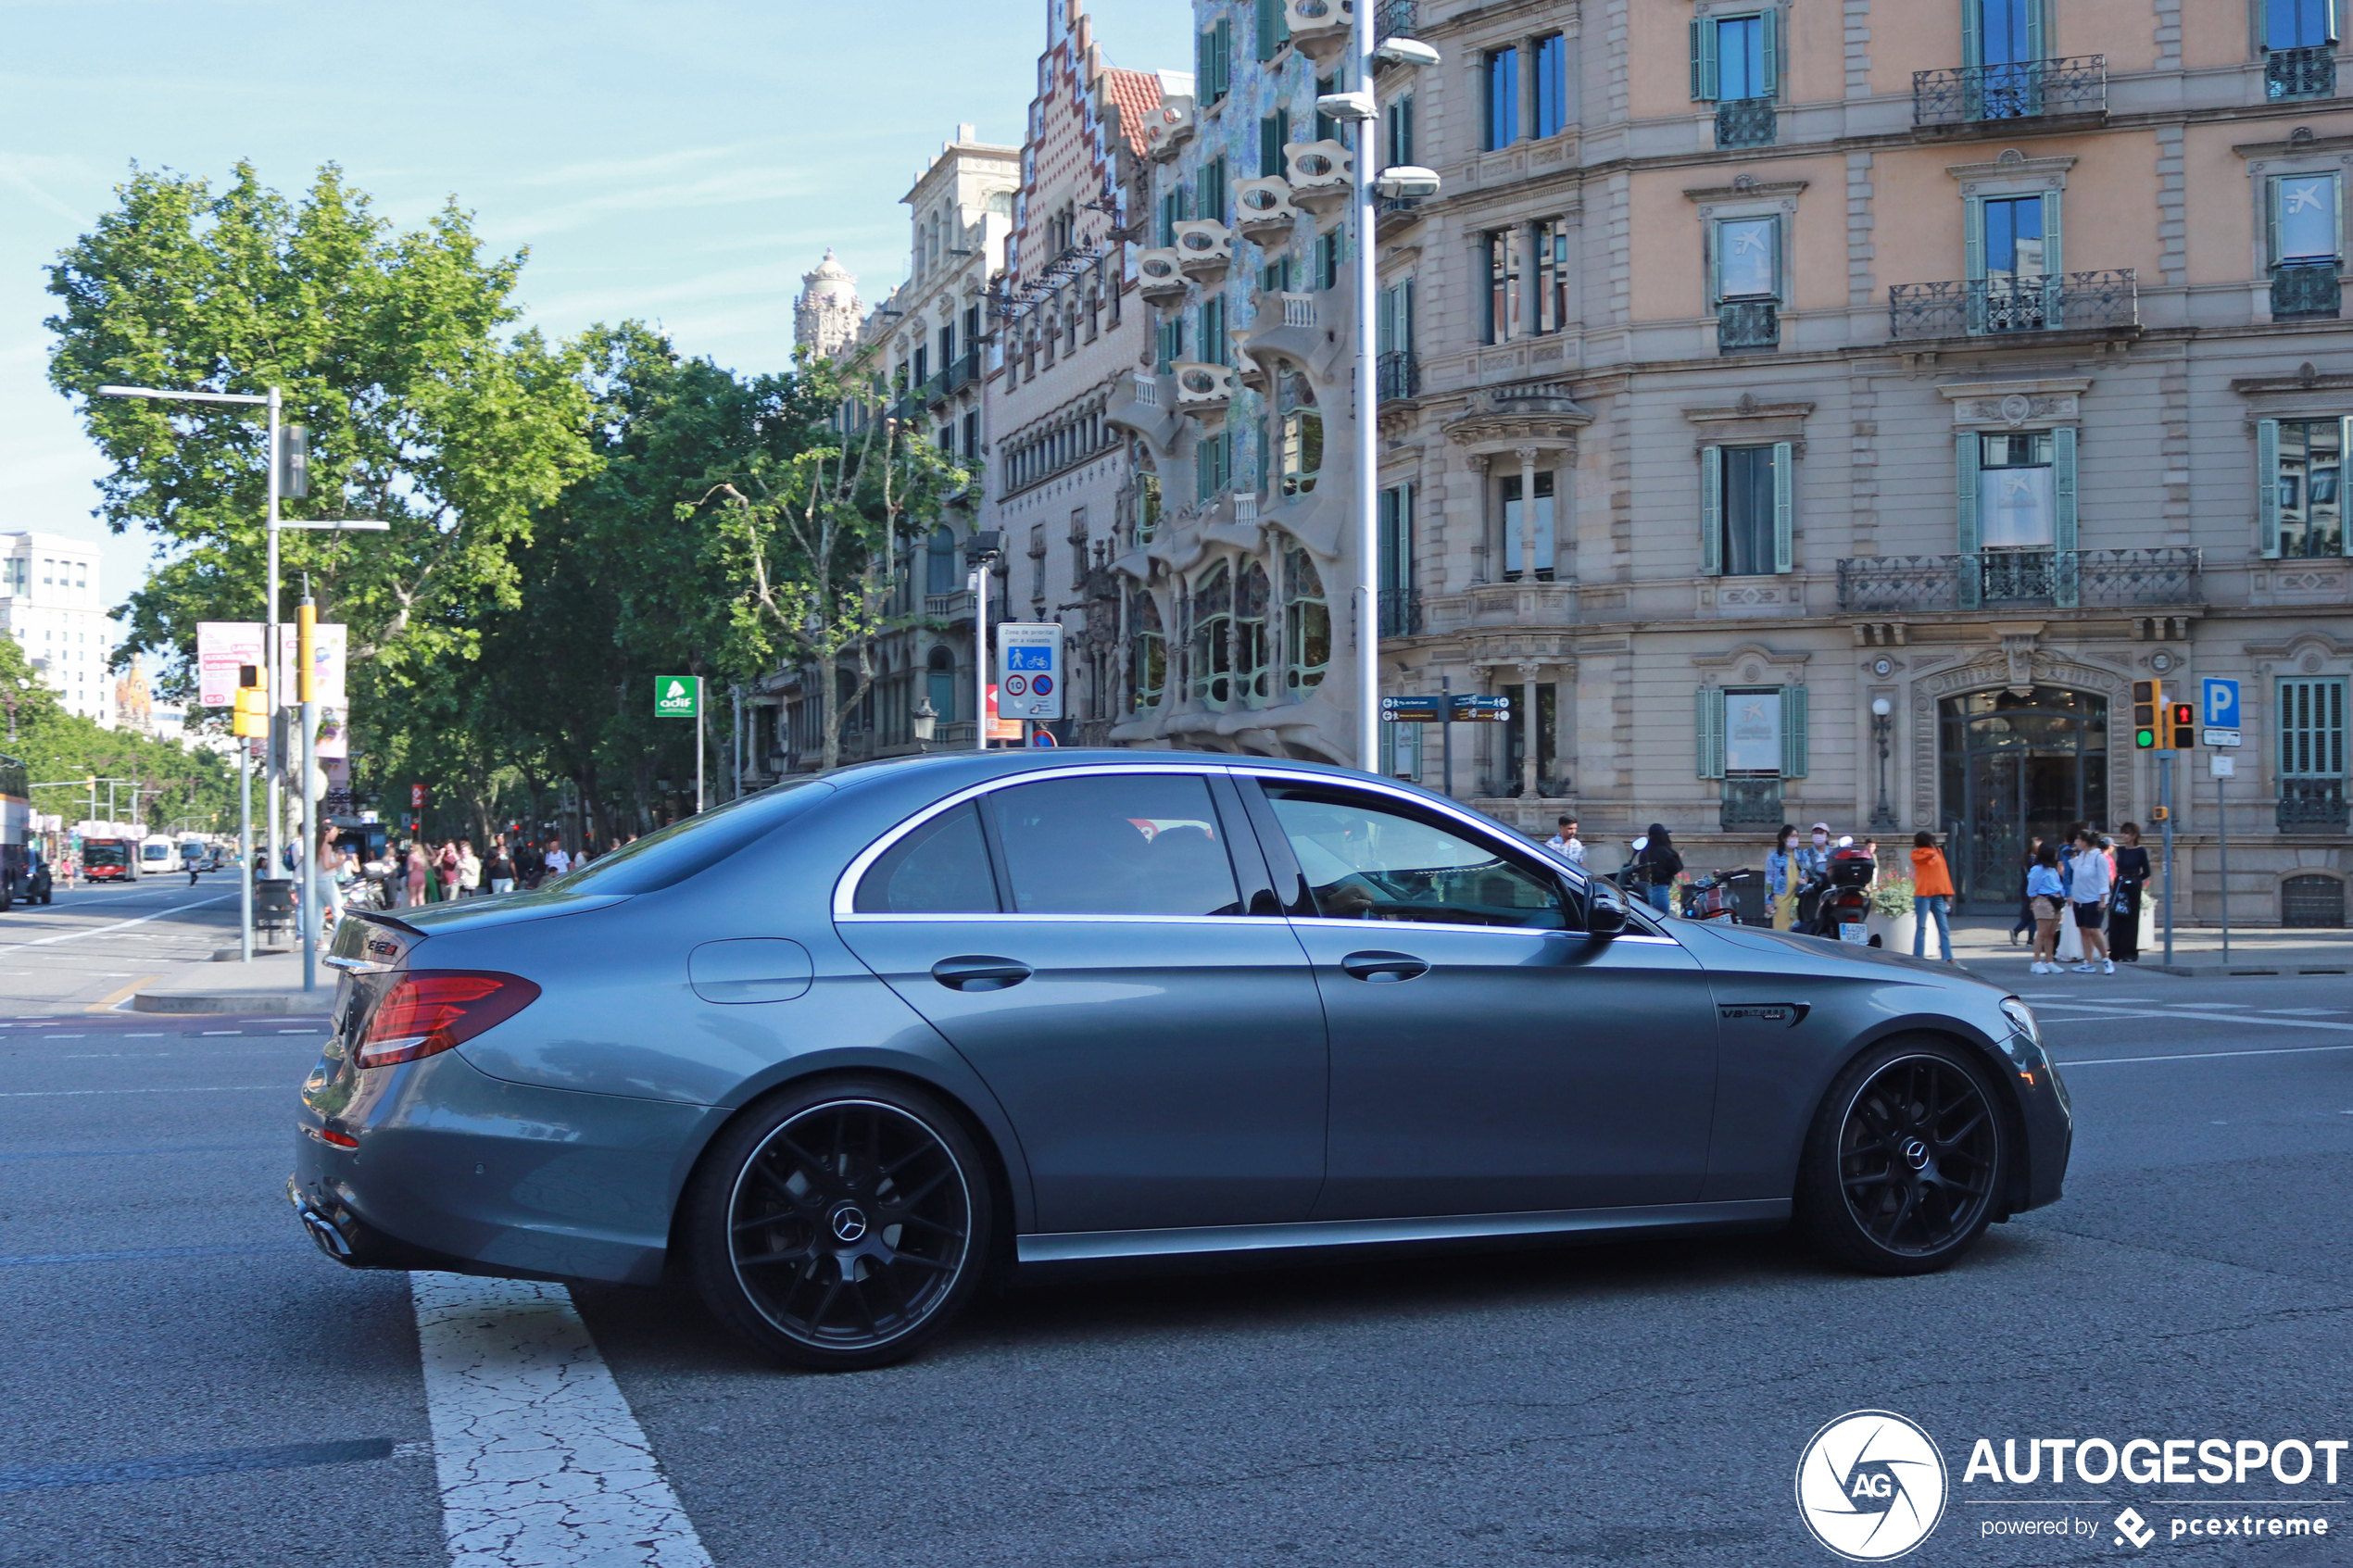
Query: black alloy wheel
(1905, 1162)
(842, 1226)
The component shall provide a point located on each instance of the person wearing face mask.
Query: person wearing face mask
(1784, 877)
(1814, 859)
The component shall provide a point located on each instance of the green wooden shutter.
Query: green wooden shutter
(1704, 58)
(1768, 28)
(2064, 580)
(1707, 706)
(1973, 256)
(2344, 445)
(1965, 453)
(1972, 38)
(2053, 259)
(2035, 29)
(1268, 12)
(1784, 507)
(1793, 748)
(1223, 32)
(2267, 488)
(1711, 511)
(1780, 258)
(2271, 221)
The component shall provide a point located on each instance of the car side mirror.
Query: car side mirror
(1605, 908)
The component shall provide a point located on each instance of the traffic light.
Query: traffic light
(2182, 726)
(251, 718)
(2149, 706)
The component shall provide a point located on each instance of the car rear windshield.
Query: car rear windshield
(683, 848)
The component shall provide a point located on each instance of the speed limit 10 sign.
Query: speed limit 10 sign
(1030, 669)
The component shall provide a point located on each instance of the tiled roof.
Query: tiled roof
(1137, 94)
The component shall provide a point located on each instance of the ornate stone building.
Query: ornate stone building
(1828, 414)
(827, 313)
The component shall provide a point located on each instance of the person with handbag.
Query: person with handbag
(2046, 896)
(2133, 874)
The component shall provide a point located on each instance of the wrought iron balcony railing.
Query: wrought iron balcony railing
(1745, 123)
(2306, 289)
(2311, 806)
(2060, 578)
(2022, 90)
(1750, 802)
(2306, 72)
(963, 370)
(1748, 326)
(1400, 612)
(1986, 308)
(1395, 18)
(1398, 373)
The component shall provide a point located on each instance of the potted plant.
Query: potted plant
(1892, 917)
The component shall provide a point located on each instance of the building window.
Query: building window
(2013, 254)
(1397, 127)
(1401, 752)
(1211, 188)
(1274, 277)
(1308, 625)
(2299, 44)
(1503, 97)
(940, 683)
(1213, 464)
(1393, 327)
(1399, 609)
(1502, 307)
(1214, 61)
(1147, 506)
(1552, 275)
(1252, 677)
(2001, 32)
(1736, 57)
(1170, 340)
(2016, 491)
(1301, 434)
(1326, 128)
(1326, 260)
(1147, 652)
(972, 439)
(1551, 85)
(1516, 539)
(1747, 259)
(2302, 220)
(2301, 468)
(1174, 210)
(2312, 729)
(1746, 522)
(1752, 731)
(1273, 134)
(1273, 29)
(1214, 349)
(1213, 661)
(939, 562)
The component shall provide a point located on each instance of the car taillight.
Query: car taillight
(429, 1011)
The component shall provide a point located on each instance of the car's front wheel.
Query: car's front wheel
(840, 1225)
(1906, 1160)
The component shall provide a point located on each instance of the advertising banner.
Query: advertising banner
(221, 647)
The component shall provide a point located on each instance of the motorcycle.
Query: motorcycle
(1719, 895)
(1840, 899)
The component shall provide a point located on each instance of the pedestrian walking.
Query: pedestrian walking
(444, 864)
(1657, 867)
(559, 862)
(2133, 874)
(1784, 877)
(2046, 896)
(500, 867)
(1932, 896)
(468, 870)
(1565, 843)
(2089, 887)
(2024, 925)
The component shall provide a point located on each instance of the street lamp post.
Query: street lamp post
(1361, 107)
(1883, 722)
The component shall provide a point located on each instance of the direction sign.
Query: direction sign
(2222, 703)
(1483, 709)
(677, 697)
(1414, 709)
(2219, 738)
(1030, 669)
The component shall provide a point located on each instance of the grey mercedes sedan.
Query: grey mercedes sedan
(837, 1052)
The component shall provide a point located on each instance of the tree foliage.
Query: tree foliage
(58, 747)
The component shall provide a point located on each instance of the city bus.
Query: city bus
(110, 859)
(15, 820)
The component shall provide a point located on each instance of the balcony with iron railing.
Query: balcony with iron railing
(1992, 579)
(1997, 307)
(2307, 290)
(1394, 18)
(1748, 326)
(1745, 123)
(2311, 806)
(1398, 373)
(2305, 72)
(1751, 802)
(1400, 612)
(1969, 95)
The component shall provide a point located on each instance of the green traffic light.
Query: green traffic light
(2145, 739)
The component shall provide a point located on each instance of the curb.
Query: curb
(263, 1002)
(2257, 969)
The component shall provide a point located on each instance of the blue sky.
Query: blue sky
(681, 162)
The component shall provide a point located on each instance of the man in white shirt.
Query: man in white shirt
(558, 861)
(1565, 843)
(2089, 884)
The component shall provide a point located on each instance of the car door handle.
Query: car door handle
(979, 973)
(1382, 968)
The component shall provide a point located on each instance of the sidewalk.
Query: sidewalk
(1982, 940)
(272, 984)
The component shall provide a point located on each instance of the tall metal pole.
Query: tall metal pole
(2165, 799)
(305, 689)
(244, 850)
(2223, 843)
(270, 654)
(1367, 529)
(980, 657)
(1446, 731)
(702, 700)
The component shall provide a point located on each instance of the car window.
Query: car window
(940, 869)
(1123, 844)
(671, 855)
(1365, 860)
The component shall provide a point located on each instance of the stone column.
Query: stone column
(1526, 236)
(1528, 744)
(1527, 456)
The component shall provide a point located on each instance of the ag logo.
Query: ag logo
(1870, 1486)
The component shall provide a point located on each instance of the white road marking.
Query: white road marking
(539, 1459)
(2301, 1012)
(2098, 1015)
(211, 1089)
(210, 1031)
(2072, 1063)
(102, 930)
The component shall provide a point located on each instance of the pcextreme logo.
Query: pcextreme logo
(1870, 1486)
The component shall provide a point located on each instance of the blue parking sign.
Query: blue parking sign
(2222, 703)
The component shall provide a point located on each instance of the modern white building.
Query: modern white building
(52, 603)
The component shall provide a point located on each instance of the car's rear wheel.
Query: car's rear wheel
(840, 1225)
(1906, 1160)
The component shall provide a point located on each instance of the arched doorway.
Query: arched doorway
(2012, 767)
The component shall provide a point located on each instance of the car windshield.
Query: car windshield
(683, 848)
(104, 855)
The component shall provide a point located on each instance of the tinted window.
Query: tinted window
(685, 847)
(1367, 860)
(1140, 844)
(940, 869)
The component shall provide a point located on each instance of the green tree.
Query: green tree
(173, 782)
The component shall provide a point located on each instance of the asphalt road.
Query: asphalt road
(188, 1382)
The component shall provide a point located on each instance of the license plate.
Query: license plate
(1856, 932)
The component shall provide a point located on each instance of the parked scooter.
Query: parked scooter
(1718, 895)
(1840, 898)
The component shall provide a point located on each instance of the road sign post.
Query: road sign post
(2165, 807)
(680, 696)
(1029, 670)
(2224, 768)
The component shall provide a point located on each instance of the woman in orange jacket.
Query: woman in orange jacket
(1932, 896)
